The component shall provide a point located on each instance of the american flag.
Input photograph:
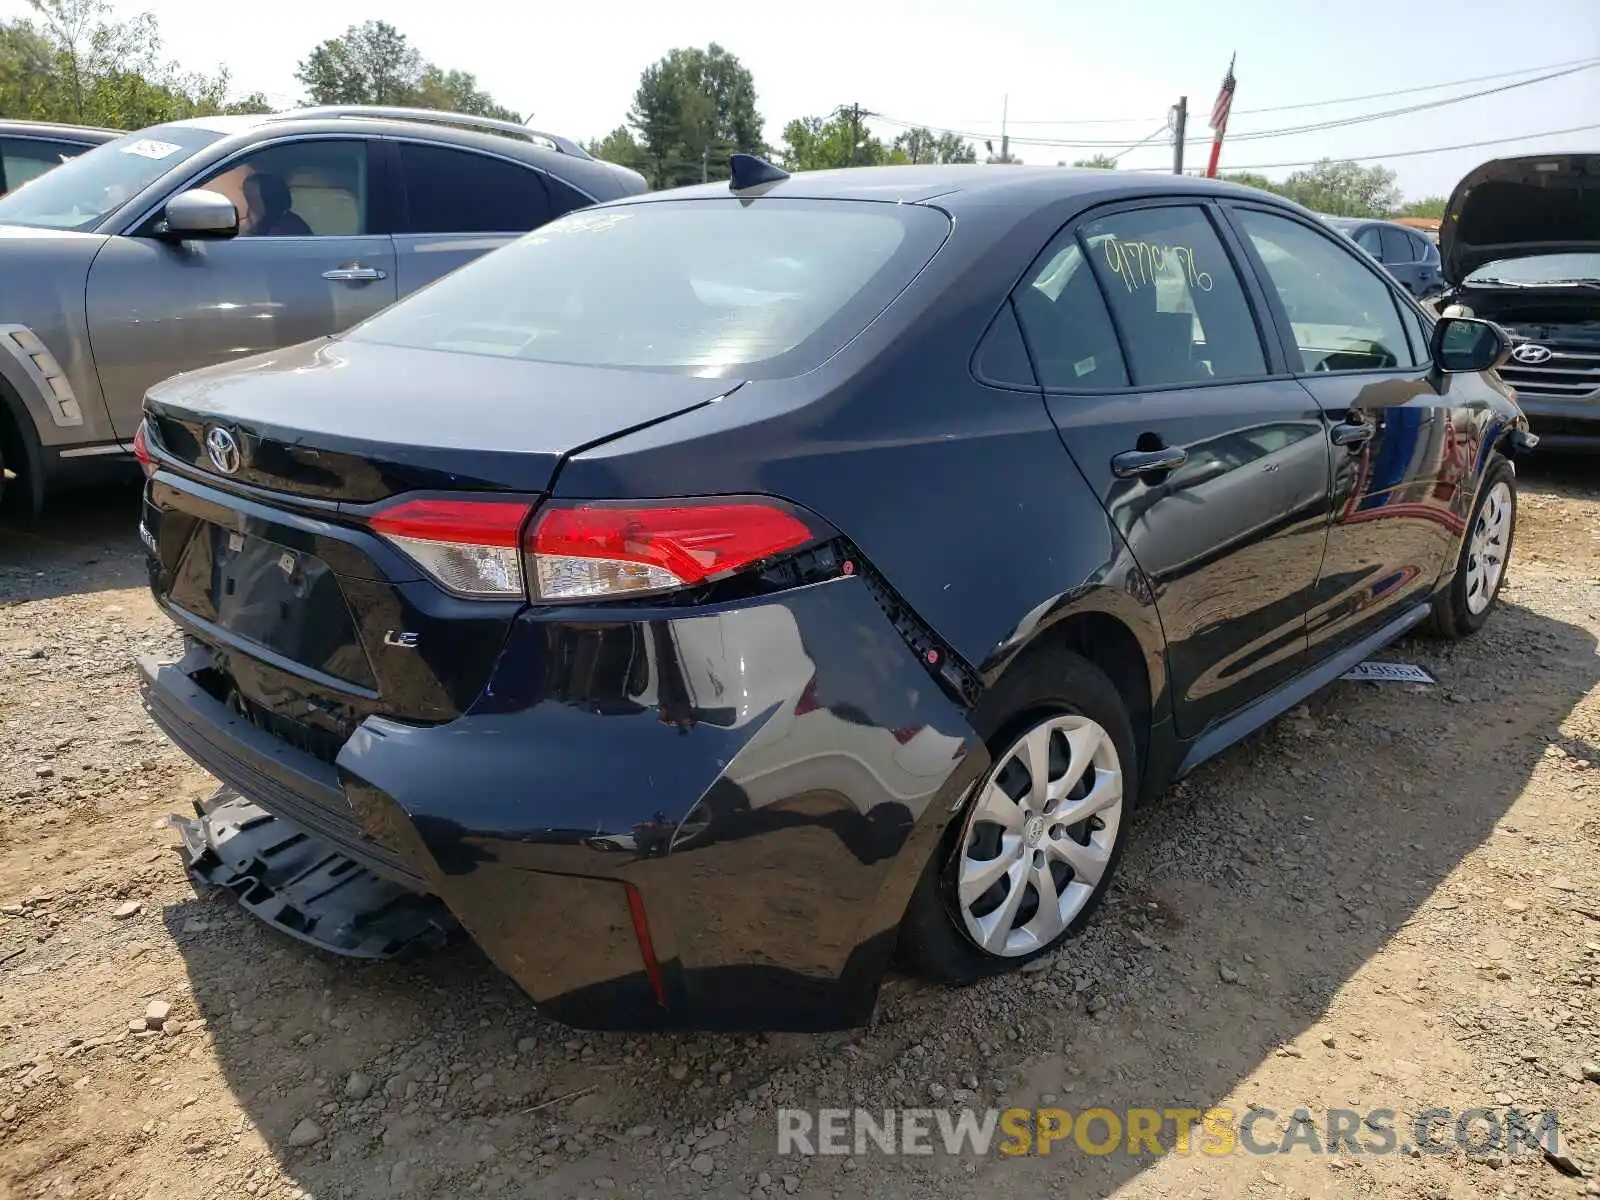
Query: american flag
(1219, 111)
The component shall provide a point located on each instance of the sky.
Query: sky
(1049, 65)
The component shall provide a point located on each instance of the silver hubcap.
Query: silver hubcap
(1039, 835)
(1486, 549)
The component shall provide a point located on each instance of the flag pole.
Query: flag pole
(1219, 117)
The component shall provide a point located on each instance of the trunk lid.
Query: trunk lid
(305, 620)
(1515, 207)
(357, 422)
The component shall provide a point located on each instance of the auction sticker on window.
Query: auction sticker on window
(151, 148)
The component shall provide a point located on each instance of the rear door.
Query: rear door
(1212, 462)
(1399, 463)
(456, 204)
(156, 308)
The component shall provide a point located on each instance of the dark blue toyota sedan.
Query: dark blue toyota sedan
(716, 593)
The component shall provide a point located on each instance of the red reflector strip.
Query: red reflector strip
(469, 522)
(693, 542)
(141, 449)
(647, 949)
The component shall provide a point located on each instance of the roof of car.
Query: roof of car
(472, 130)
(81, 133)
(955, 185)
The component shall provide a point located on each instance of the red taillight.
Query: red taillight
(469, 547)
(587, 551)
(141, 450)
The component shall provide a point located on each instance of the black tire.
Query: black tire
(1048, 683)
(1453, 614)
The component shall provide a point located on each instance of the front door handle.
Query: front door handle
(354, 274)
(1352, 433)
(1131, 464)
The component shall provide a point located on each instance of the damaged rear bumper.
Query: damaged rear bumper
(651, 819)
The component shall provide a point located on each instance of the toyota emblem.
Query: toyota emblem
(1531, 354)
(223, 449)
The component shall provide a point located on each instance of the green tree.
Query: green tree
(374, 63)
(837, 140)
(1251, 179)
(619, 147)
(1428, 206)
(1343, 189)
(922, 145)
(1100, 162)
(692, 109)
(70, 60)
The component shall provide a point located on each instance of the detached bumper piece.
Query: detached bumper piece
(305, 886)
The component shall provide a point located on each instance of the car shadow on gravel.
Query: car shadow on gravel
(1251, 894)
(85, 542)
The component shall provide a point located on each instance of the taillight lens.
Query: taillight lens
(468, 547)
(141, 449)
(596, 550)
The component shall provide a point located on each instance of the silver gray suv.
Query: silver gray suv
(204, 241)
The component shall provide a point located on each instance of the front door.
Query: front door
(1156, 373)
(305, 263)
(1399, 455)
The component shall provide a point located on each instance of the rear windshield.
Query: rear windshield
(81, 193)
(762, 288)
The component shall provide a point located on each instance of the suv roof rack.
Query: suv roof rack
(430, 116)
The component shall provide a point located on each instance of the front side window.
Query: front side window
(706, 287)
(1343, 315)
(1370, 240)
(456, 191)
(313, 188)
(1178, 304)
(82, 193)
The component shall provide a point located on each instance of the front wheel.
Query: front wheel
(1030, 857)
(1463, 607)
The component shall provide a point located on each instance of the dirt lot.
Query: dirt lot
(1388, 899)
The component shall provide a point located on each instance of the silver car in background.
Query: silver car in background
(204, 241)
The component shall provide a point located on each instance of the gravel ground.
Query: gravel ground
(1388, 899)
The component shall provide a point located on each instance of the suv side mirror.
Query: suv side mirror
(1462, 344)
(199, 213)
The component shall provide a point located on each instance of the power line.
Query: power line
(1521, 137)
(1407, 91)
(1259, 134)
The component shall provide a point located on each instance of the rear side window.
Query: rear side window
(1343, 315)
(22, 159)
(1178, 304)
(457, 191)
(709, 287)
(1065, 321)
(1398, 247)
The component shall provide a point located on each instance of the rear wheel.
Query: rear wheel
(1463, 607)
(1031, 856)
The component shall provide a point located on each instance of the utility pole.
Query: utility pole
(855, 113)
(1005, 138)
(1180, 123)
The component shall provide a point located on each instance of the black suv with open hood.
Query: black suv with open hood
(1521, 247)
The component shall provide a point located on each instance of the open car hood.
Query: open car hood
(1514, 207)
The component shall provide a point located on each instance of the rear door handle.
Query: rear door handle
(354, 274)
(1131, 464)
(1351, 433)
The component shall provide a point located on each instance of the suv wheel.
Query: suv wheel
(1464, 606)
(1031, 855)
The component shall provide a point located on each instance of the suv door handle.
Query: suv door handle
(1131, 464)
(1352, 433)
(354, 274)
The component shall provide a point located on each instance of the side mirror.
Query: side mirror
(1462, 344)
(199, 213)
